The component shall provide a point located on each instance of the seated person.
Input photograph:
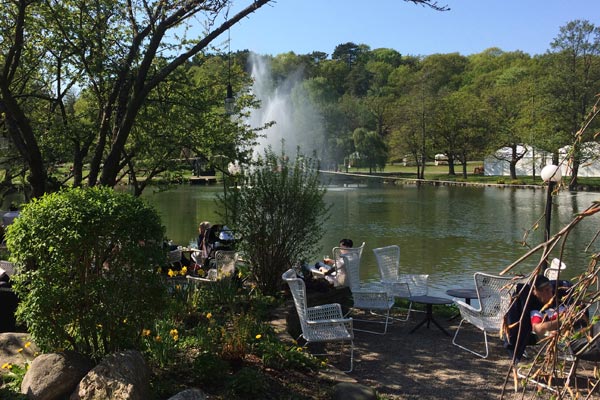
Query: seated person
(333, 270)
(525, 310)
(545, 319)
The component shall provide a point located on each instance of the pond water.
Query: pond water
(449, 232)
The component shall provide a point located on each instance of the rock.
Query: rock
(55, 375)
(189, 394)
(353, 391)
(10, 344)
(119, 376)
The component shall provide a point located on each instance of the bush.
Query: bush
(87, 260)
(248, 383)
(279, 215)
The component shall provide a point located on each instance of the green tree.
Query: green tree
(371, 148)
(572, 85)
(114, 50)
(280, 216)
(87, 262)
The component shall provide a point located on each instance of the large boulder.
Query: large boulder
(16, 349)
(55, 375)
(119, 376)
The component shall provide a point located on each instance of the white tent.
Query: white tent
(498, 164)
(590, 162)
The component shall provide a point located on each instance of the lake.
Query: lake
(449, 232)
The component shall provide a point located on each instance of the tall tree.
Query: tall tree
(572, 84)
(112, 47)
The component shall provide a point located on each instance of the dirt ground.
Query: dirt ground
(426, 365)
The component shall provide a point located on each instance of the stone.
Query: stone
(353, 391)
(189, 394)
(55, 375)
(10, 344)
(119, 376)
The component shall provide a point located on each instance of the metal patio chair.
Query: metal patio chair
(366, 296)
(494, 296)
(323, 323)
(399, 285)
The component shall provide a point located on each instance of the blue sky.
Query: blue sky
(471, 26)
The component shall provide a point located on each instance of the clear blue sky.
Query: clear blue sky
(471, 26)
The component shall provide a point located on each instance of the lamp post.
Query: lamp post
(551, 174)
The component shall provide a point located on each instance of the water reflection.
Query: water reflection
(449, 232)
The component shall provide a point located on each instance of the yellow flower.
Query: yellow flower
(183, 271)
(201, 272)
(178, 287)
(99, 326)
(323, 363)
(20, 350)
(240, 274)
(6, 366)
(146, 332)
(208, 315)
(173, 332)
(158, 338)
(299, 349)
(258, 336)
(27, 344)
(171, 273)
(175, 338)
(159, 270)
(125, 321)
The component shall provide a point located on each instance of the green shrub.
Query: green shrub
(248, 383)
(210, 370)
(87, 260)
(279, 215)
(282, 357)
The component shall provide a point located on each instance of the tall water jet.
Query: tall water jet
(297, 121)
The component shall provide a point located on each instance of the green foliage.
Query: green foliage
(248, 383)
(280, 356)
(87, 260)
(280, 216)
(12, 377)
(209, 370)
(160, 342)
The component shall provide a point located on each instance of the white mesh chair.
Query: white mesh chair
(174, 258)
(493, 294)
(323, 323)
(225, 261)
(224, 266)
(399, 285)
(8, 267)
(366, 296)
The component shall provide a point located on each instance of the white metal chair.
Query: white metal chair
(8, 267)
(365, 296)
(174, 258)
(224, 266)
(493, 294)
(399, 285)
(225, 261)
(323, 323)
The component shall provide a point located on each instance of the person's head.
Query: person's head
(203, 227)
(542, 289)
(347, 243)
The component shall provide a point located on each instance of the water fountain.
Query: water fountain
(297, 121)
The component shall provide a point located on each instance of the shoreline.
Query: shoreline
(436, 182)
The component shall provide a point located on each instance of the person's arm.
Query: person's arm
(541, 325)
(542, 328)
